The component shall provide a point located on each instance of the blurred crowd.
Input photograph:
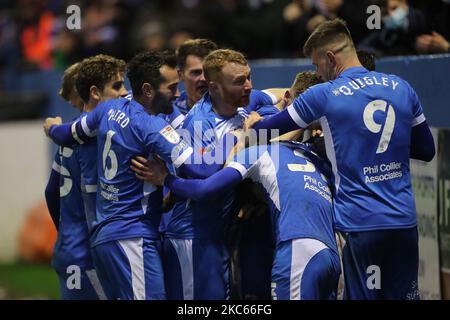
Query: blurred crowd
(34, 34)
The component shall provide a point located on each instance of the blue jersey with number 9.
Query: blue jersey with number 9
(366, 118)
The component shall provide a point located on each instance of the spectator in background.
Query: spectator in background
(152, 36)
(36, 35)
(402, 24)
(148, 30)
(437, 13)
(9, 43)
(293, 25)
(101, 28)
(301, 17)
(432, 43)
(67, 49)
(438, 40)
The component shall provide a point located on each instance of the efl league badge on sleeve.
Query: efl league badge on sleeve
(170, 135)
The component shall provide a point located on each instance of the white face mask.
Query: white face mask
(398, 19)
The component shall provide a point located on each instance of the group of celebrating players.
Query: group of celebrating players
(149, 187)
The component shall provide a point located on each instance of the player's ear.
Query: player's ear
(94, 93)
(148, 91)
(287, 94)
(331, 57)
(212, 85)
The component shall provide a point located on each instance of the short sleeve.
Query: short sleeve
(417, 111)
(267, 110)
(164, 140)
(259, 98)
(309, 106)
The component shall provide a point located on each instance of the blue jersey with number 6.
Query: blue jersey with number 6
(127, 207)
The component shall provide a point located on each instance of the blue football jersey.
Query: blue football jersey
(203, 219)
(298, 193)
(87, 157)
(263, 102)
(175, 119)
(72, 245)
(128, 207)
(261, 98)
(181, 103)
(366, 118)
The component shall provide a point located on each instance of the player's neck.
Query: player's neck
(191, 102)
(88, 107)
(146, 104)
(347, 64)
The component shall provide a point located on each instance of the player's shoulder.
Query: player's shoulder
(106, 107)
(252, 154)
(119, 102)
(255, 93)
(150, 122)
(202, 106)
(318, 91)
(390, 76)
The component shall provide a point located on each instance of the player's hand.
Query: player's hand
(253, 118)
(153, 171)
(50, 122)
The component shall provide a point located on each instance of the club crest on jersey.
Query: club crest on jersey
(170, 134)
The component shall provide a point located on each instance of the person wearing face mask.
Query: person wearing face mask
(401, 25)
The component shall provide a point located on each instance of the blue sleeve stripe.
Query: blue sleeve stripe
(296, 117)
(239, 167)
(418, 120)
(73, 128)
(183, 157)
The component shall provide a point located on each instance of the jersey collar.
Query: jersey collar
(353, 70)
